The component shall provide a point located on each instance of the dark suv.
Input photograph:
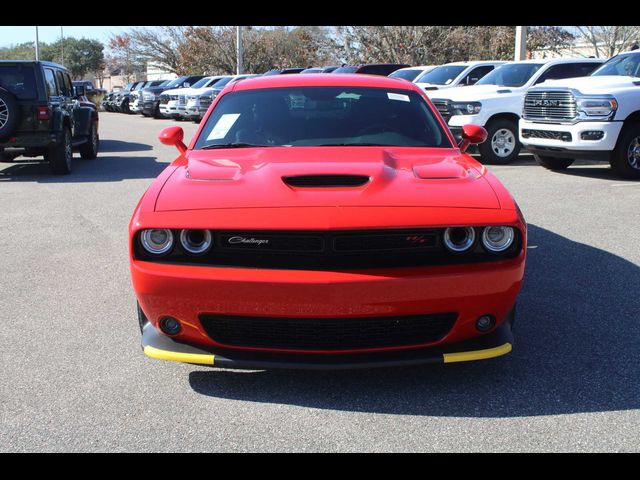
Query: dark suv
(41, 115)
(372, 68)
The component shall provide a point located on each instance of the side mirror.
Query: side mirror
(472, 135)
(79, 91)
(173, 136)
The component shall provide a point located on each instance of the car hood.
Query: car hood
(256, 178)
(475, 93)
(600, 84)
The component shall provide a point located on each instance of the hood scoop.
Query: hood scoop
(326, 181)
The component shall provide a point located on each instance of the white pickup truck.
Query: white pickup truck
(495, 102)
(595, 118)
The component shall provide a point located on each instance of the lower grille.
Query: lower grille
(327, 334)
(547, 134)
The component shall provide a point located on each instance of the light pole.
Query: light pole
(521, 44)
(239, 50)
(37, 52)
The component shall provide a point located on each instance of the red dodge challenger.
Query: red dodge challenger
(325, 221)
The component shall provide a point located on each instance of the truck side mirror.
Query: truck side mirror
(472, 135)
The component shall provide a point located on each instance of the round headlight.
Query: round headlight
(459, 239)
(196, 241)
(497, 239)
(157, 241)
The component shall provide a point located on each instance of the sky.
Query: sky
(13, 35)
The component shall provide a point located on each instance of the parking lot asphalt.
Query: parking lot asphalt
(73, 376)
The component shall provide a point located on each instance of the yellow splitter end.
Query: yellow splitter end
(477, 354)
(198, 358)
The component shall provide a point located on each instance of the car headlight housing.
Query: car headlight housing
(157, 241)
(466, 108)
(497, 239)
(459, 239)
(597, 107)
(149, 96)
(196, 242)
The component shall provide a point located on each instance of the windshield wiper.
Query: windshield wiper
(233, 145)
(354, 144)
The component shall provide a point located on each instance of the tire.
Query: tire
(8, 157)
(9, 113)
(502, 145)
(60, 156)
(125, 107)
(553, 163)
(625, 160)
(89, 150)
(157, 113)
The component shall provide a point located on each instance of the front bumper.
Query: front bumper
(495, 344)
(607, 143)
(172, 109)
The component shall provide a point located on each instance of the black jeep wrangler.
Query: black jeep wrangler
(41, 114)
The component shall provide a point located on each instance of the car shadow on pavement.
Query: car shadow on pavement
(577, 338)
(102, 169)
(113, 146)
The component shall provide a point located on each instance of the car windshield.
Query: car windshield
(222, 82)
(406, 74)
(345, 70)
(19, 80)
(442, 75)
(626, 65)
(174, 83)
(201, 83)
(322, 116)
(510, 75)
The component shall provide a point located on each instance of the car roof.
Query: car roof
(546, 61)
(42, 62)
(475, 62)
(323, 80)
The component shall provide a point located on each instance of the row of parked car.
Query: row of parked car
(559, 109)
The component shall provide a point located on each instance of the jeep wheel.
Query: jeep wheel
(60, 155)
(553, 163)
(9, 112)
(625, 160)
(89, 150)
(502, 145)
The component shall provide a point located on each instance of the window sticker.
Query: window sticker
(398, 96)
(345, 95)
(449, 80)
(223, 126)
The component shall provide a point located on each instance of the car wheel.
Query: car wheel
(9, 112)
(157, 113)
(502, 145)
(8, 157)
(553, 163)
(89, 150)
(625, 160)
(60, 155)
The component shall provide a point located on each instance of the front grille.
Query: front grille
(330, 250)
(182, 100)
(547, 134)
(550, 105)
(192, 98)
(327, 334)
(443, 108)
(205, 102)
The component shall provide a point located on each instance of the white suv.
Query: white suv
(495, 102)
(176, 106)
(595, 118)
(454, 74)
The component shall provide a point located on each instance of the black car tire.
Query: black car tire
(487, 154)
(89, 150)
(8, 157)
(9, 112)
(553, 163)
(125, 107)
(60, 155)
(625, 160)
(156, 113)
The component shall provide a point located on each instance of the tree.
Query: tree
(608, 41)
(122, 59)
